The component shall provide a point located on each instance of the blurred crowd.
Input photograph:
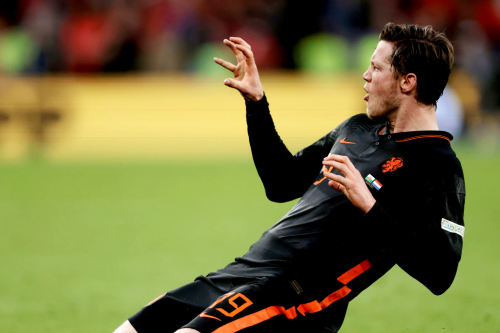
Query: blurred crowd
(47, 36)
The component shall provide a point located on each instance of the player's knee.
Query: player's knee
(186, 330)
(126, 327)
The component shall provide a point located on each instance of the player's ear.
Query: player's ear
(408, 82)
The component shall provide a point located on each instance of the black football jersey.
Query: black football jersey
(324, 241)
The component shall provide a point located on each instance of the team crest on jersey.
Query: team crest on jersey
(392, 165)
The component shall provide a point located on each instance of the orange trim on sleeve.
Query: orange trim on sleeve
(425, 136)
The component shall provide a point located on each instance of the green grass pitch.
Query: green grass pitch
(82, 247)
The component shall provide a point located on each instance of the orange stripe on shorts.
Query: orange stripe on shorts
(256, 318)
(311, 307)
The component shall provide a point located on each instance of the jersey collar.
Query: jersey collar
(414, 135)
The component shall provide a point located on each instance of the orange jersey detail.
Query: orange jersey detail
(381, 131)
(392, 165)
(220, 300)
(237, 308)
(311, 307)
(256, 318)
(209, 316)
(347, 142)
(321, 180)
(315, 306)
(424, 136)
(354, 272)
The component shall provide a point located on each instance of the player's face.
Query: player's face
(381, 86)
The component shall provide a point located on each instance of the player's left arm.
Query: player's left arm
(428, 240)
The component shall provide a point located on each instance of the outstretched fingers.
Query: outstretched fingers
(248, 55)
(235, 84)
(226, 64)
(246, 77)
(240, 41)
(232, 46)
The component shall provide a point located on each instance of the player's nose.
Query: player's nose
(366, 75)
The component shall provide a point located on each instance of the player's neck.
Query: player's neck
(413, 117)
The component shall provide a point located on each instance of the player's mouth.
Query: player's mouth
(367, 95)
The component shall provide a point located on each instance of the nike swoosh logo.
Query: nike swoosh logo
(209, 316)
(347, 142)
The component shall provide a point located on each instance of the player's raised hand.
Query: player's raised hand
(352, 184)
(246, 76)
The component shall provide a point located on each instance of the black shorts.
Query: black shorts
(223, 303)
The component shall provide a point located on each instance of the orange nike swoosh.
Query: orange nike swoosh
(209, 316)
(347, 142)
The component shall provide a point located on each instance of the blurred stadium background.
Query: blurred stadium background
(125, 169)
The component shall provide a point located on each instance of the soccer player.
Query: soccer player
(383, 188)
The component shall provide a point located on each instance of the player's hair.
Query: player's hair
(424, 52)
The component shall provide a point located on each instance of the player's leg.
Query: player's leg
(126, 327)
(252, 305)
(264, 305)
(172, 310)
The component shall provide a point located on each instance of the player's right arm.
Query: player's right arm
(285, 176)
